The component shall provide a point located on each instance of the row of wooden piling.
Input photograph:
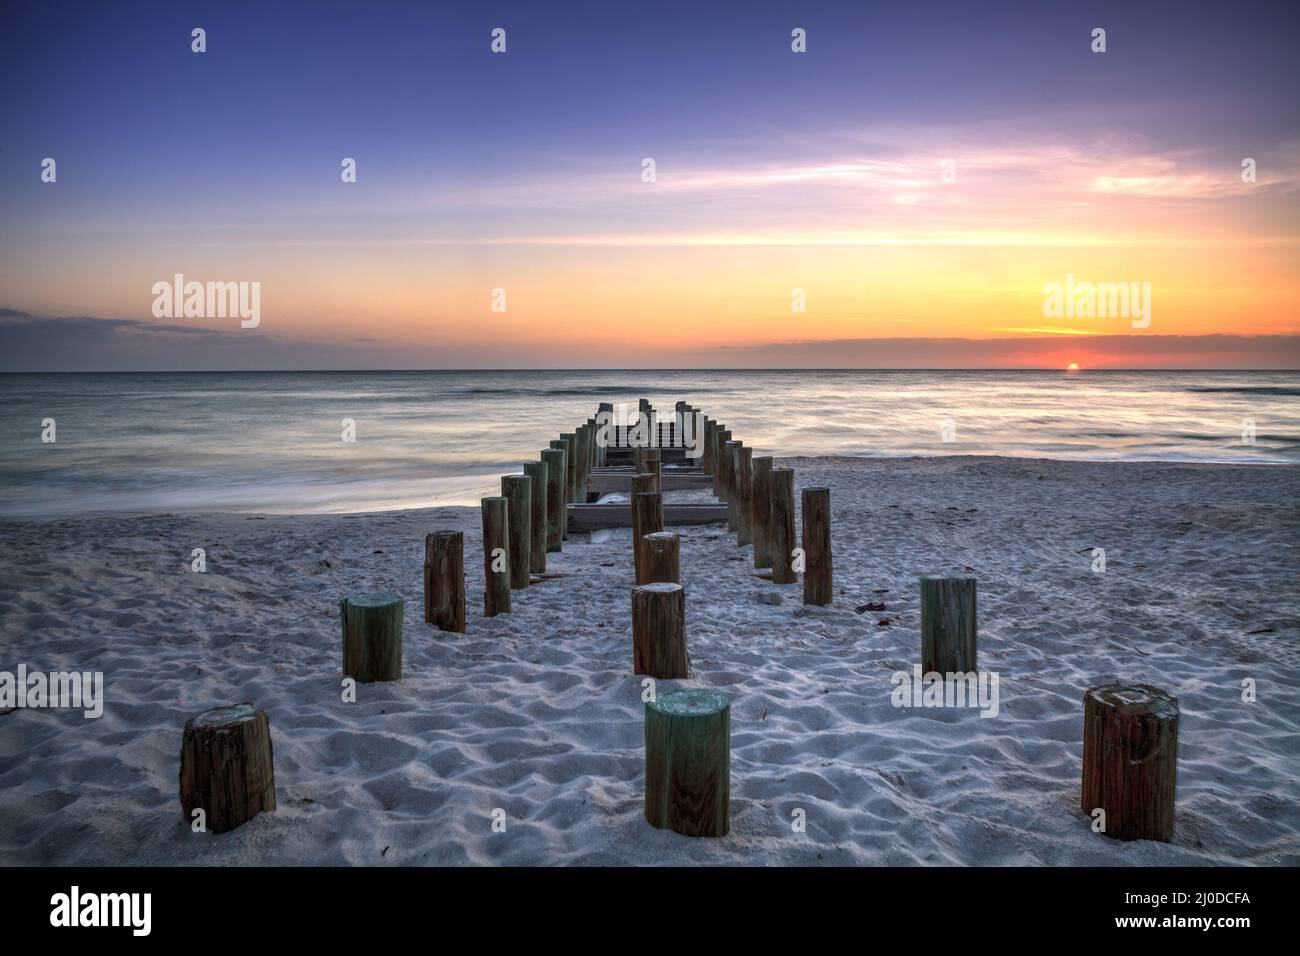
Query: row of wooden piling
(527, 521)
(1130, 731)
(760, 510)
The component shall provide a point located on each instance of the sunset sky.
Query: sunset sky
(821, 171)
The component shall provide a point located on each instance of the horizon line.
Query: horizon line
(470, 371)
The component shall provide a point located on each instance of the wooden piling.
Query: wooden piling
(372, 636)
(818, 584)
(654, 465)
(723, 483)
(590, 465)
(695, 431)
(602, 447)
(742, 470)
(647, 518)
(593, 456)
(688, 762)
(582, 443)
(518, 491)
(571, 464)
(731, 494)
(659, 631)
(537, 475)
(227, 767)
(715, 453)
(1130, 760)
(444, 580)
(761, 509)
(557, 509)
(947, 625)
(562, 444)
(781, 526)
(496, 551)
(660, 558)
(706, 459)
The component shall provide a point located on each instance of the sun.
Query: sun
(1072, 367)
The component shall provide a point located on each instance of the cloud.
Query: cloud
(34, 343)
(30, 343)
(1054, 351)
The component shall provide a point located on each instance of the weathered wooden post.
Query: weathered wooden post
(659, 631)
(647, 518)
(227, 768)
(761, 509)
(444, 580)
(715, 451)
(706, 443)
(606, 411)
(372, 637)
(660, 558)
(818, 584)
(518, 491)
(780, 533)
(1130, 760)
(590, 464)
(590, 461)
(581, 443)
(654, 465)
(571, 464)
(688, 762)
(723, 478)
(947, 625)
(579, 464)
(562, 444)
(537, 474)
(743, 474)
(496, 557)
(641, 482)
(731, 452)
(557, 509)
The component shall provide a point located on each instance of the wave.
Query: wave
(601, 392)
(1287, 390)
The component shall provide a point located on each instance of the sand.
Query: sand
(537, 713)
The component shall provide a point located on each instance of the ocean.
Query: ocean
(272, 441)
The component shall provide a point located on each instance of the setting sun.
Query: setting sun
(1072, 367)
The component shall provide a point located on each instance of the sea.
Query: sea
(273, 442)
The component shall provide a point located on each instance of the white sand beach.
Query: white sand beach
(538, 712)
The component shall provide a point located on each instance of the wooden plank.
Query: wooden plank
(684, 469)
(595, 517)
(621, 482)
(623, 456)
